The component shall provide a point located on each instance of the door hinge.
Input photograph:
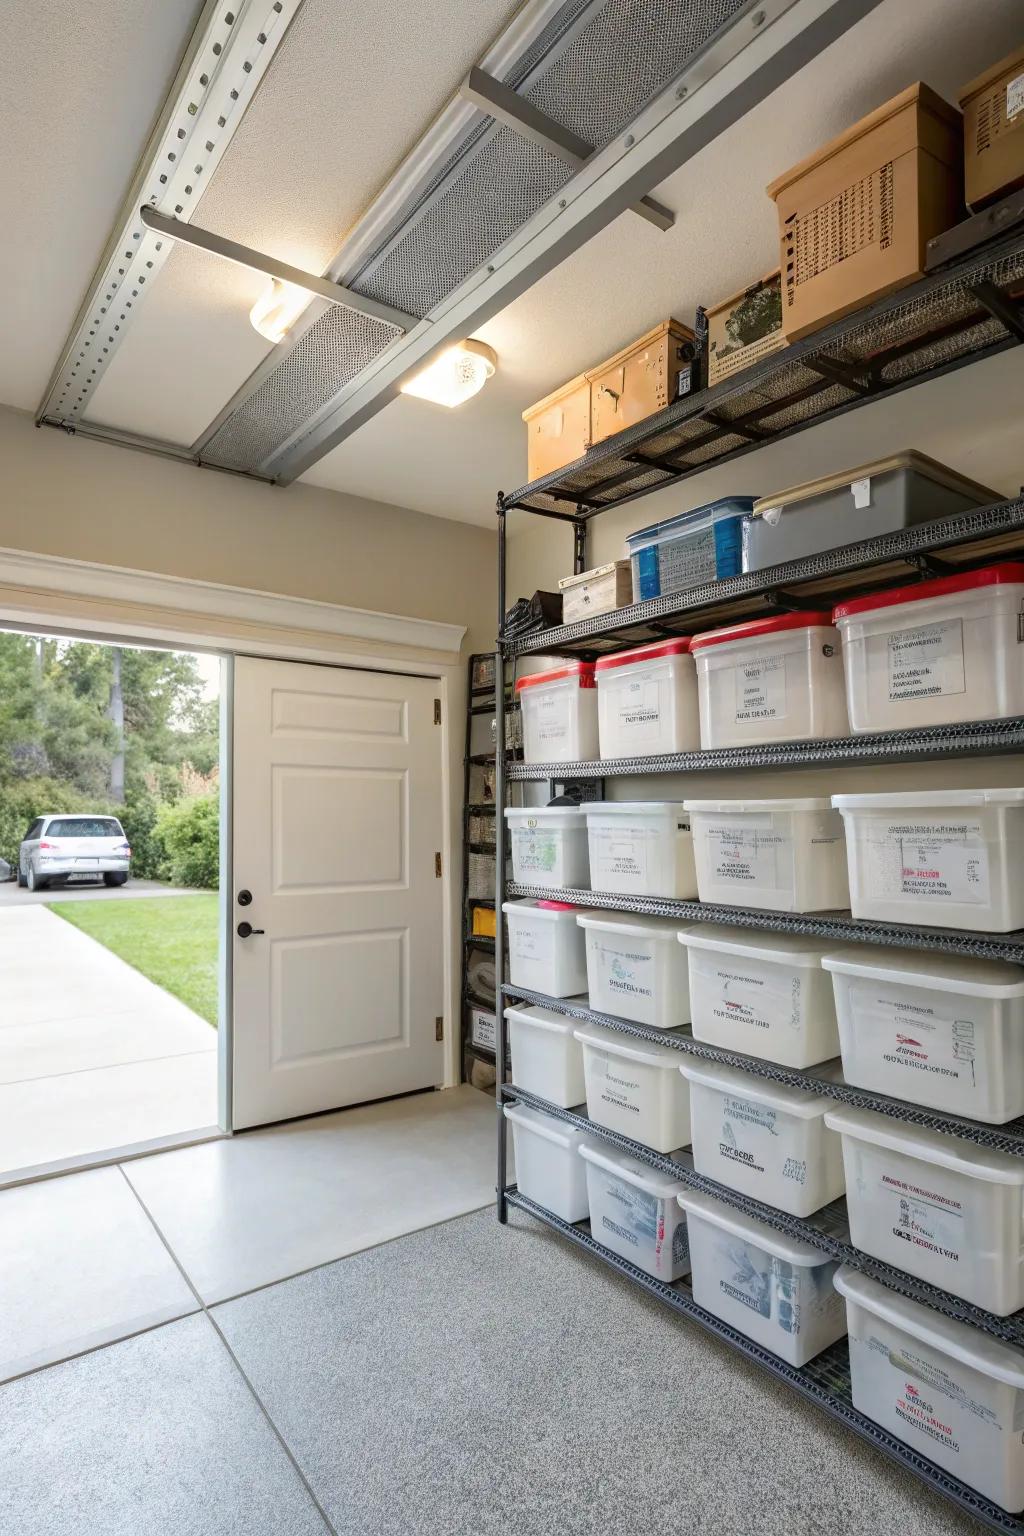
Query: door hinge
(437, 711)
(437, 866)
(439, 1027)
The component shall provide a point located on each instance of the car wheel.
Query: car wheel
(115, 879)
(21, 877)
(33, 881)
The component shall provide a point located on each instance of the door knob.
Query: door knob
(246, 930)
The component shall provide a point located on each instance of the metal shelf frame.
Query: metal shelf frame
(824, 1381)
(827, 1229)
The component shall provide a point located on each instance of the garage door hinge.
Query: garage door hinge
(437, 865)
(437, 711)
(439, 1027)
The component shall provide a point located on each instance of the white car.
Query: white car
(65, 847)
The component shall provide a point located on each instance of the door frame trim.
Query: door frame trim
(83, 600)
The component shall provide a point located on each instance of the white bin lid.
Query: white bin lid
(802, 953)
(551, 814)
(750, 1230)
(632, 808)
(629, 926)
(933, 973)
(665, 1057)
(923, 799)
(759, 1090)
(548, 912)
(737, 807)
(558, 1131)
(960, 1340)
(653, 1181)
(542, 1018)
(951, 1152)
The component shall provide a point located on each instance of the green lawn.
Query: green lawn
(170, 939)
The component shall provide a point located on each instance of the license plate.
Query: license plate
(87, 863)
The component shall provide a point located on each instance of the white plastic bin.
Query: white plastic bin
(647, 700)
(782, 855)
(641, 848)
(939, 1030)
(559, 714)
(549, 846)
(773, 1288)
(770, 680)
(549, 1168)
(935, 653)
(547, 1059)
(950, 1392)
(635, 1213)
(635, 968)
(938, 1206)
(950, 857)
(546, 952)
(634, 1087)
(763, 1139)
(761, 993)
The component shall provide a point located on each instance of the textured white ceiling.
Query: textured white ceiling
(630, 276)
(80, 88)
(354, 85)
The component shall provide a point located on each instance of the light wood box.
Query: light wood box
(637, 381)
(601, 590)
(993, 107)
(558, 428)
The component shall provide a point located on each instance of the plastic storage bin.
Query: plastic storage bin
(773, 1288)
(953, 1394)
(939, 1030)
(937, 1206)
(782, 855)
(702, 545)
(634, 970)
(770, 680)
(547, 1059)
(634, 1087)
(635, 1213)
(950, 857)
(937, 653)
(761, 993)
(647, 701)
(857, 504)
(559, 714)
(763, 1139)
(546, 952)
(549, 1168)
(641, 848)
(549, 846)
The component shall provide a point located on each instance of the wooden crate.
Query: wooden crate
(993, 107)
(598, 591)
(639, 380)
(558, 428)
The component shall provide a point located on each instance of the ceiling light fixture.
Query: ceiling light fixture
(278, 308)
(459, 373)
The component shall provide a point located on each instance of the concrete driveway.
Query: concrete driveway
(13, 895)
(93, 1055)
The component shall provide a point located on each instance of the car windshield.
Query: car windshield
(85, 826)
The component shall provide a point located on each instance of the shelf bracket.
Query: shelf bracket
(839, 373)
(737, 428)
(1009, 312)
(506, 106)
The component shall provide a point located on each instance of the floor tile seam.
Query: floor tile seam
(94, 1349)
(109, 1066)
(215, 1325)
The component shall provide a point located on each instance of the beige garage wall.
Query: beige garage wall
(67, 496)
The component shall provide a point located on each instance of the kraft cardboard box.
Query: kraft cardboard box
(855, 217)
(745, 328)
(993, 107)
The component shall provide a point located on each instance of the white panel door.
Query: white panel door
(336, 834)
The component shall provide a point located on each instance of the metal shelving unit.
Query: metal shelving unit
(970, 310)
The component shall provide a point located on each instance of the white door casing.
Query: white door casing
(337, 825)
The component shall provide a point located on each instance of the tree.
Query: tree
(115, 714)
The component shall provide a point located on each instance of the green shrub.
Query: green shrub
(190, 833)
(22, 800)
(139, 816)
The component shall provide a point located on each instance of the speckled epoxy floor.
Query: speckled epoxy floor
(458, 1381)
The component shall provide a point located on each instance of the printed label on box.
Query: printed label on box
(615, 1087)
(552, 717)
(746, 855)
(743, 1001)
(482, 1028)
(625, 973)
(1014, 97)
(923, 1218)
(926, 1038)
(534, 942)
(928, 860)
(927, 662)
(638, 707)
(536, 851)
(744, 1274)
(760, 690)
(619, 854)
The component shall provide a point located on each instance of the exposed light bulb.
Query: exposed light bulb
(456, 376)
(278, 308)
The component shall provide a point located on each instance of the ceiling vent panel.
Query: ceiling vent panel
(592, 68)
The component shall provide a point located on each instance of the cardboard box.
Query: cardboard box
(993, 107)
(745, 328)
(601, 590)
(855, 217)
(639, 380)
(558, 428)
